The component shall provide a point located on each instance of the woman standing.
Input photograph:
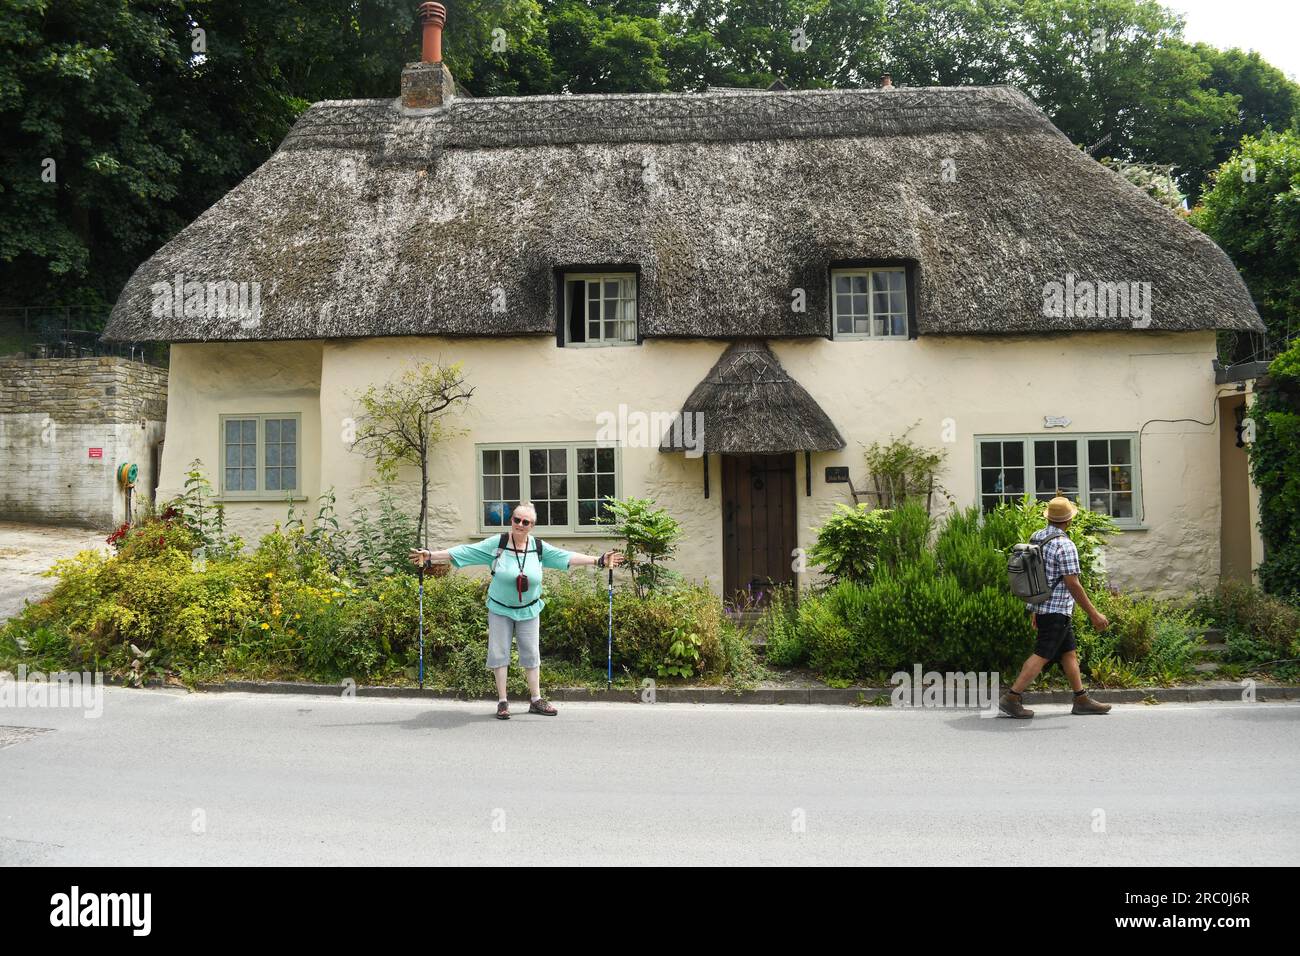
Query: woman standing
(514, 598)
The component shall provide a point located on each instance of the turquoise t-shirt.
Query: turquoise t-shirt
(503, 596)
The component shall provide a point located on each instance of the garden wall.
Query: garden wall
(65, 426)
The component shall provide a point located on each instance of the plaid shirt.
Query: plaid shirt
(1060, 557)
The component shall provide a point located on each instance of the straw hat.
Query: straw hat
(1060, 509)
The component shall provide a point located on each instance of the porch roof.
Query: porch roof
(749, 404)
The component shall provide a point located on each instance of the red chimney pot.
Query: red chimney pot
(432, 16)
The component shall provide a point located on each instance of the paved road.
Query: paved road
(278, 779)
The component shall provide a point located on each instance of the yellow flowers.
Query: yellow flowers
(270, 574)
(297, 616)
(265, 626)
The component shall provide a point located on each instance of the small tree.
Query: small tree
(404, 419)
(650, 537)
(902, 471)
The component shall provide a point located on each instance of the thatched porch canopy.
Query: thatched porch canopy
(749, 405)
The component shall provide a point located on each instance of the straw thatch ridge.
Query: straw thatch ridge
(368, 221)
(749, 404)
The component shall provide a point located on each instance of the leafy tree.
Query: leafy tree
(405, 418)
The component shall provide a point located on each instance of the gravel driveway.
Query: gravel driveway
(28, 549)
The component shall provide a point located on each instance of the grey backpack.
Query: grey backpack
(1027, 574)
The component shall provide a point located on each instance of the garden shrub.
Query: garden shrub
(848, 542)
(780, 625)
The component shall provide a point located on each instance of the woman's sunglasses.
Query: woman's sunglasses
(521, 521)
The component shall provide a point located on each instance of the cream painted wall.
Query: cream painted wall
(529, 389)
(222, 378)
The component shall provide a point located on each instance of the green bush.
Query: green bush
(849, 541)
(780, 626)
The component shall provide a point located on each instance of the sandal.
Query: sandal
(503, 710)
(542, 706)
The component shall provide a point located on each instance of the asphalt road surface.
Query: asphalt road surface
(165, 777)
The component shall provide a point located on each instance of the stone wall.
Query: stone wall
(53, 412)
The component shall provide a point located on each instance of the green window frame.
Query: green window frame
(1101, 471)
(260, 456)
(565, 481)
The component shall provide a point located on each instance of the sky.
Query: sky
(1271, 27)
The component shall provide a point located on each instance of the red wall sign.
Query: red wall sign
(96, 453)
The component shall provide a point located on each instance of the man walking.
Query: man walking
(1052, 618)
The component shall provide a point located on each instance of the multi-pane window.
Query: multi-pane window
(869, 302)
(596, 482)
(567, 484)
(1002, 472)
(600, 309)
(259, 455)
(1099, 472)
(499, 488)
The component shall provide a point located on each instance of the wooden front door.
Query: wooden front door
(758, 517)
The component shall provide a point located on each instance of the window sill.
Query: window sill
(847, 337)
(257, 499)
(559, 532)
(600, 345)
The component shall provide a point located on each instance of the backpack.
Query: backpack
(503, 541)
(1027, 573)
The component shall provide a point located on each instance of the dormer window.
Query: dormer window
(869, 303)
(600, 309)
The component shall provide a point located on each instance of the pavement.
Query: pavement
(27, 550)
(173, 778)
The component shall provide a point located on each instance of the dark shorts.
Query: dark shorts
(1055, 636)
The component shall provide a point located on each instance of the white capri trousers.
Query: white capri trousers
(527, 633)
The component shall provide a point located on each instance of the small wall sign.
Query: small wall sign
(837, 475)
(96, 453)
(1055, 421)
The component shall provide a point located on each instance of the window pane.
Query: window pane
(1044, 453)
(586, 512)
(990, 454)
(1120, 451)
(1067, 453)
(250, 432)
(586, 486)
(842, 284)
(559, 460)
(604, 459)
(880, 327)
(491, 488)
(492, 462)
(250, 478)
(605, 486)
(510, 488)
(593, 330)
(537, 461)
(844, 323)
(273, 454)
(559, 512)
(288, 454)
(1099, 478)
(586, 460)
(611, 289)
(510, 462)
(289, 478)
(1097, 451)
(611, 331)
(1067, 479)
(559, 486)
(232, 456)
(1013, 453)
(859, 305)
(990, 481)
(232, 430)
(1045, 481)
(232, 479)
(860, 284)
(273, 479)
(273, 429)
(1014, 482)
(537, 487)
(900, 325)
(1124, 505)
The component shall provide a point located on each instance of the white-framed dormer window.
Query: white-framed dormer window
(600, 309)
(869, 303)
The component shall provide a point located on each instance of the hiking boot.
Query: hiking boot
(1012, 704)
(1083, 704)
(542, 706)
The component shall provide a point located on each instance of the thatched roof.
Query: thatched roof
(749, 404)
(370, 222)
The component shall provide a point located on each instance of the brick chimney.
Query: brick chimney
(428, 84)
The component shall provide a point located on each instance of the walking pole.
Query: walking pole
(609, 646)
(421, 624)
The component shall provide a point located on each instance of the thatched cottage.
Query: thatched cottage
(809, 271)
